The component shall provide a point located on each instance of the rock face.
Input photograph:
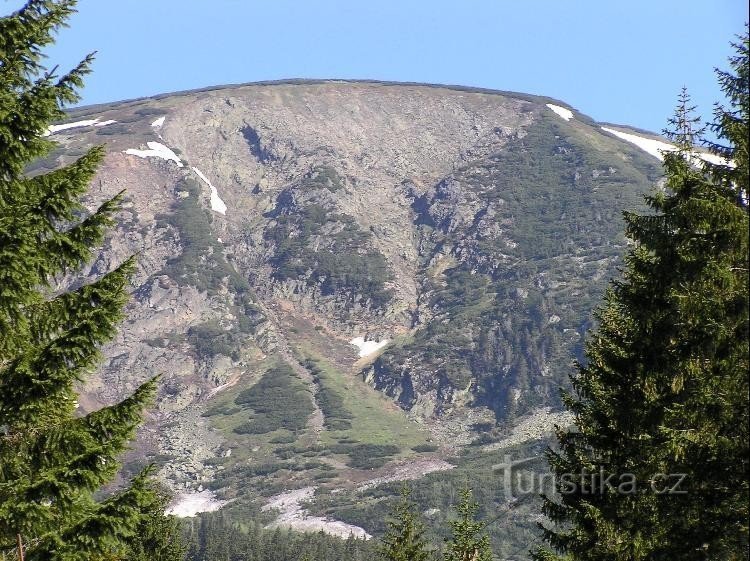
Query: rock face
(474, 230)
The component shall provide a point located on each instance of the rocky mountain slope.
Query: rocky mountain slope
(286, 232)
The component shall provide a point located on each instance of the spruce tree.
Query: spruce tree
(53, 460)
(158, 537)
(658, 466)
(469, 541)
(404, 539)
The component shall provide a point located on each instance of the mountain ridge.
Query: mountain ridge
(85, 109)
(472, 231)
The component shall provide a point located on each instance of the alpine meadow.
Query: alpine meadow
(364, 320)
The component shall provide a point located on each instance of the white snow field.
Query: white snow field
(566, 114)
(159, 122)
(648, 145)
(216, 203)
(367, 347)
(656, 147)
(190, 504)
(156, 150)
(52, 129)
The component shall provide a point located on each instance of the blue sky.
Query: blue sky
(621, 62)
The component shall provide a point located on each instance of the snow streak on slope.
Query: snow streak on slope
(52, 129)
(648, 145)
(657, 147)
(566, 114)
(156, 150)
(367, 347)
(159, 122)
(216, 203)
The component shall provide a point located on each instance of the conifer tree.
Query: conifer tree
(658, 467)
(158, 537)
(53, 460)
(404, 539)
(469, 541)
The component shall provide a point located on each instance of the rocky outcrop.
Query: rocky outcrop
(453, 223)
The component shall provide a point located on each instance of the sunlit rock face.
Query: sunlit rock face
(433, 251)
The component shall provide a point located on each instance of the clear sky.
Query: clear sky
(618, 61)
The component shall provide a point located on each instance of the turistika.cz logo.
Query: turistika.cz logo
(517, 481)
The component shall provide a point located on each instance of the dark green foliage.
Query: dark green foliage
(425, 448)
(283, 439)
(214, 537)
(366, 456)
(325, 248)
(279, 400)
(404, 540)
(158, 537)
(494, 339)
(510, 524)
(53, 460)
(326, 177)
(201, 263)
(469, 540)
(336, 416)
(543, 234)
(209, 339)
(665, 386)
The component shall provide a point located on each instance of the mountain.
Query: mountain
(347, 283)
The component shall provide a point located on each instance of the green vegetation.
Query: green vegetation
(468, 536)
(215, 537)
(325, 248)
(510, 524)
(511, 311)
(158, 537)
(220, 536)
(210, 339)
(366, 456)
(55, 463)
(664, 389)
(425, 448)
(201, 263)
(404, 539)
(326, 177)
(279, 400)
(374, 419)
(337, 417)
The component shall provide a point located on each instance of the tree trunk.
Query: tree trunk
(20, 547)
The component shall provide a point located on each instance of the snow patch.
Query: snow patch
(190, 504)
(566, 114)
(648, 145)
(657, 147)
(293, 515)
(367, 347)
(216, 203)
(52, 129)
(714, 159)
(156, 150)
(159, 122)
